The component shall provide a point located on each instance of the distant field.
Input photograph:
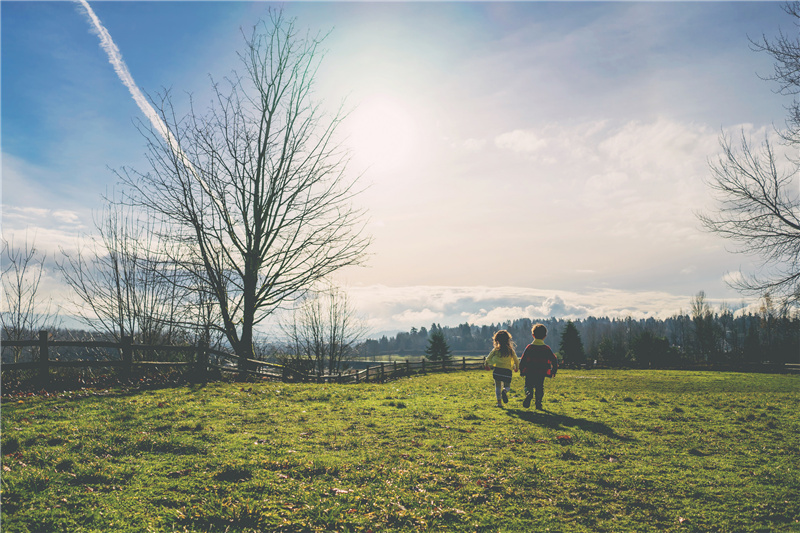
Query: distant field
(616, 451)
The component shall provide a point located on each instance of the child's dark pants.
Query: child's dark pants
(533, 383)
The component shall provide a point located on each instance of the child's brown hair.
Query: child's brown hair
(504, 343)
(539, 331)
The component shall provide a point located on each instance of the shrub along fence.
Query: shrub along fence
(198, 361)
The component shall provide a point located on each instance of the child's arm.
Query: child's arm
(523, 362)
(554, 363)
(489, 359)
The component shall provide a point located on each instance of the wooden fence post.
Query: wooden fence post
(366, 376)
(463, 363)
(444, 365)
(201, 362)
(127, 356)
(395, 368)
(357, 373)
(44, 356)
(382, 377)
(408, 368)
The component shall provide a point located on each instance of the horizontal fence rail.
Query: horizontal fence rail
(199, 360)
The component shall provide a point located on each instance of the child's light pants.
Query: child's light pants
(502, 379)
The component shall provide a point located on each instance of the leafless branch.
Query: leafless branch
(758, 209)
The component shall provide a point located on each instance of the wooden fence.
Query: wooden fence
(200, 360)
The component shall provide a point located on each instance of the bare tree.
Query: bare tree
(323, 331)
(703, 320)
(255, 192)
(759, 210)
(24, 311)
(758, 191)
(120, 287)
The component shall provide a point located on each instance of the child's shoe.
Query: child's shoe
(527, 401)
(505, 396)
(539, 407)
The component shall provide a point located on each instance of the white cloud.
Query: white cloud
(732, 278)
(521, 141)
(24, 214)
(49, 229)
(68, 217)
(49, 214)
(498, 315)
(556, 306)
(400, 308)
(411, 317)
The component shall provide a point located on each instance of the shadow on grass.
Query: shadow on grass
(552, 420)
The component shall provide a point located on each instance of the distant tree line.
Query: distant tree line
(702, 336)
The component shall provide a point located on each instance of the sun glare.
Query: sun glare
(382, 133)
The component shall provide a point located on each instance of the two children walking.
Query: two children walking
(537, 362)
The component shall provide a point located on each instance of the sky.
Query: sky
(521, 159)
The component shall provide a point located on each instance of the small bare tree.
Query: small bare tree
(255, 192)
(25, 312)
(119, 287)
(704, 332)
(323, 331)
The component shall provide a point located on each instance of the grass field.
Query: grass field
(614, 451)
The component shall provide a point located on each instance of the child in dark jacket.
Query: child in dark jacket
(537, 362)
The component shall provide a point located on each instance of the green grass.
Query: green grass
(616, 451)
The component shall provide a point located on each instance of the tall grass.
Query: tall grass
(614, 451)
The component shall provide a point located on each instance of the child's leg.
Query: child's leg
(498, 387)
(539, 390)
(506, 389)
(528, 391)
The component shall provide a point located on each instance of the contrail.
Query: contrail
(115, 58)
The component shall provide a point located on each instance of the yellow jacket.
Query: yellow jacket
(498, 361)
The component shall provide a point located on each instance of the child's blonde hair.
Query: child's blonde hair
(504, 343)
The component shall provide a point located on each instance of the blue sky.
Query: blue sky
(523, 159)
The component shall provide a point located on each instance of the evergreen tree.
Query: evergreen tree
(571, 345)
(438, 350)
(605, 351)
(650, 350)
(753, 352)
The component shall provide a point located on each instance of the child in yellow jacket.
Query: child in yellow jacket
(504, 360)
